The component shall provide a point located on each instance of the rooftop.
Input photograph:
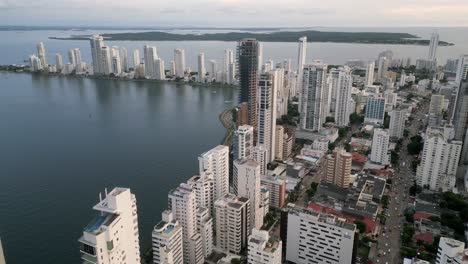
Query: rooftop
(102, 220)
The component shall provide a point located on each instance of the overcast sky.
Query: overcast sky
(236, 13)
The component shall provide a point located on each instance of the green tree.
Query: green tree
(386, 120)
(331, 146)
(330, 119)
(342, 132)
(361, 226)
(356, 119)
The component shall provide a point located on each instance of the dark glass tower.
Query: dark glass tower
(247, 70)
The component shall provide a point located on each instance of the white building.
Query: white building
(369, 79)
(320, 144)
(437, 104)
(205, 228)
(35, 63)
(182, 203)
(232, 216)
(2, 255)
(462, 69)
(116, 66)
(150, 57)
(179, 59)
(375, 109)
(160, 73)
(243, 142)
(311, 101)
(97, 42)
(379, 152)
(382, 68)
(58, 62)
(451, 251)
(41, 52)
(397, 123)
(439, 161)
(301, 60)
(105, 63)
(203, 186)
(216, 162)
(263, 249)
(167, 241)
(279, 142)
(201, 67)
(136, 57)
(112, 236)
(246, 183)
(433, 44)
(276, 188)
(259, 154)
(342, 86)
(266, 111)
(314, 237)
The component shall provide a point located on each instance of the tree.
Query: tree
(342, 132)
(416, 145)
(355, 119)
(386, 122)
(236, 261)
(347, 147)
(407, 234)
(394, 157)
(385, 200)
(405, 133)
(331, 146)
(361, 226)
(330, 119)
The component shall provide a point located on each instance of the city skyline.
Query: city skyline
(237, 13)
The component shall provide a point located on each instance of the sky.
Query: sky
(236, 13)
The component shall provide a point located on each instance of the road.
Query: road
(389, 243)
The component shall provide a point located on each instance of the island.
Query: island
(281, 36)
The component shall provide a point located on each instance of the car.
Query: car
(389, 250)
(386, 244)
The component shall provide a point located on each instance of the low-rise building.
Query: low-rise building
(263, 249)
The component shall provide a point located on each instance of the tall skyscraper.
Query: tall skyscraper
(35, 63)
(397, 123)
(106, 60)
(136, 57)
(375, 109)
(379, 152)
(150, 56)
(97, 42)
(301, 60)
(183, 206)
(342, 85)
(433, 44)
(263, 249)
(462, 69)
(179, 59)
(201, 67)
(438, 167)
(58, 62)
(383, 63)
(203, 186)
(71, 57)
(246, 183)
(243, 142)
(216, 162)
(232, 216)
(160, 71)
(41, 52)
(112, 236)
(259, 154)
(116, 65)
(266, 122)
(248, 65)
(338, 168)
(369, 80)
(124, 59)
(167, 240)
(314, 84)
(437, 104)
(213, 70)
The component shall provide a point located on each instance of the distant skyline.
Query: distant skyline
(235, 13)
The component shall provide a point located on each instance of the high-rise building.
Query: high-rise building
(203, 186)
(439, 162)
(35, 63)
(216, 162)
(375, 109)
(342, 85)
(279, 142)
(179, 59)
(437, 104)
(277, 189)
(183, 206)
(106, 63)
(301, 60)
(369, 80)
(433, 44)
(259, 154)
(41, 52)
(136, 57)
(112, 236)
(266, 121)
(150, 57)
(382, 68)
(201, 67)
(160, 71)
(248, 68)
(462, 69)
(451, 251)
(313, 237)
(124, 59)
(205, 228)
(97, 42)
(312, 102)
(460, 124)
(58, 62)
(243, 142)
(338, 168)
(116, 66)
(263, 249)
(246, 183)
(379, 152)
(71, 57)
(213, 71)
(2, 255)
(167, 241)
(397, 123)
(232, 216)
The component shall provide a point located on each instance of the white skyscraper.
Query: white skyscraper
(35, 63)
(382, 68)
(160, 73)
(212, 68)
(106, 62)
(75, 59)
(266, 111)
(216, 162)
(263, 249)
(136, 57)
(205, 225)
(41, 52)
(58, 62)
(243, 142)
(260, 56)
(397, 123)
(440, 156)
(71, 57)
(201, 67)
(227, 60)
(434, 43)
(259, 154)
(203, 186)
(312, 101)
(150, 56)
(379, 152)
(301, 60)
(167, 241)
(462, 69)
(124, 59)
(342, 85)
(314, 237)
(179, 59)
(112, 236)
(183, 206)
(116, 65)
(232, 216)
(370, 73)
(451, 251)
(246, 183)
(97, 42)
